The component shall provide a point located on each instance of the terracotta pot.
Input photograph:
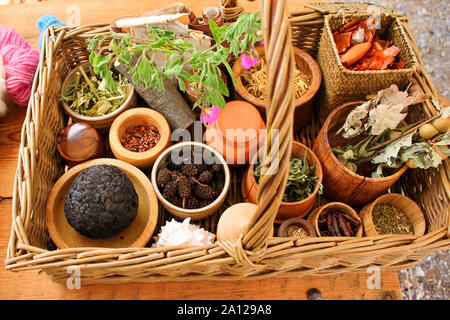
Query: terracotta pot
(131, 118)
(194, 214)
(287, 210)
(340, 183)
(304, 104)
(238, 133)
(299, 222)
(101, 123)
(401, 202)
(314, 216)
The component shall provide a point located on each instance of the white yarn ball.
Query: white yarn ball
(3, 90)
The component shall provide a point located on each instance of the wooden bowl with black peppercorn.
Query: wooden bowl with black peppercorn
(191, 180)
(336, 219)
(138, 136)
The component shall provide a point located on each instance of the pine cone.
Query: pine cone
(204, 202)
(175, 200)
(163, 177)
(205, 192)
(205, 177)
(170, 188)
(192, 203)
(189, 170)
(183, 186)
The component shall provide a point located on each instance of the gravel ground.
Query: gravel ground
(430, 24)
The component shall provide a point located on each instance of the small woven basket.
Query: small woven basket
(341, 84)
(256, 253)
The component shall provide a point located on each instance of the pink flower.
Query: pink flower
(209, 115)
(248, 60)
(262, 42)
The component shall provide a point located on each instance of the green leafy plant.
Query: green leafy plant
(301, 180)
(241, 37)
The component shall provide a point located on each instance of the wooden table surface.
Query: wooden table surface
(32, 285)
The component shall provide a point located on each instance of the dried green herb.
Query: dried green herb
(301, 181)
(89, 96)
(390, 220)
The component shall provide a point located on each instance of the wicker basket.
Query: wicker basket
(256, 253)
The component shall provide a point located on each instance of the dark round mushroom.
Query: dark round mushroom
(101, 202)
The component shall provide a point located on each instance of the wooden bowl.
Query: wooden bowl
(314, 216)
(300, 222)
(287, 210)
(133, 117)
(138, 232)
(101, 123)
(304, 105)
(403, 203)
(194, 214)
(340, 183)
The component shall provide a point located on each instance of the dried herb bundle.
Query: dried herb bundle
(301, 181)
(390, 220)
(89, 96)
(255, 81)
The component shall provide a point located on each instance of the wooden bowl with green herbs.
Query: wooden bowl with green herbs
(86, 97)
(393, 213)
(303, 185)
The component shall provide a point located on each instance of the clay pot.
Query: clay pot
(403, 203)
(131, 118)
(101, 123)
(299, 222)
(303, 105)
(287, 210)
(314, 216)
(238, 133)
(340, 183)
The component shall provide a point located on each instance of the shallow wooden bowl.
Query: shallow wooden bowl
(138, 232)
(401, 202)
(133, 117)
(314, 216)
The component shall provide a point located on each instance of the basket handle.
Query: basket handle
(279, 123)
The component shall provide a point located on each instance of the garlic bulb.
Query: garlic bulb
(175, 233)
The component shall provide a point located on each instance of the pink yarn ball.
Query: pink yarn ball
(20, 62)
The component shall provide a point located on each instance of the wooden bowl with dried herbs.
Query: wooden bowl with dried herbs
(393, 213)
(86, 96)
(303, 185)
(139, 135)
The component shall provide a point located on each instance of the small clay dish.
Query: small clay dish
(296, 222)
(401, 202)
(131, 118)
(314, 216)
(102, 123)
(137, 234)
(194, 214)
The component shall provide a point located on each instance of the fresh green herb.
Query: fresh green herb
(241, 36)
(88, 95)
(301, 181)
